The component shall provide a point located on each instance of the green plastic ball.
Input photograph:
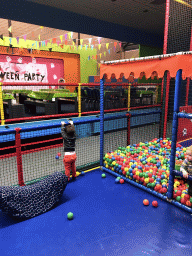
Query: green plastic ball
(70, 215)
(103, 175)
(178, 198)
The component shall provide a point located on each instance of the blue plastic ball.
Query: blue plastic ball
(57, 157)
(116, 180)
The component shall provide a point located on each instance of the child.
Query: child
(69, 138)
(186, 168)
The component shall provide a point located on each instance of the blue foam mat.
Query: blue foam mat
(109, 219)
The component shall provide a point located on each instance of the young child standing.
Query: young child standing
(186, 168)
(69, 138)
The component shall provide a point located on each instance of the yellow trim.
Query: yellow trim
(1, 106)
(78, 173)
(79, 100)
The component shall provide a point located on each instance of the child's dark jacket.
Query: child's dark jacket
(69, 142)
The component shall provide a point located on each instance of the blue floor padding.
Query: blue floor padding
(109, 219)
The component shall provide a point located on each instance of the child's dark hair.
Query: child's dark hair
(70, 129)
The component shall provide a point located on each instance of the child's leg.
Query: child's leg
(73, 167)
(67, 164)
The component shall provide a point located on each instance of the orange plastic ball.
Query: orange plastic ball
(146, 202)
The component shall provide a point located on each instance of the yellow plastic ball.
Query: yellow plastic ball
(146, 180)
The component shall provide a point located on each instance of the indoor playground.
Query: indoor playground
(133, 129)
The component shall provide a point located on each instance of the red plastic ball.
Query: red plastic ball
(121, 181)
(146, 202)
(59, 154)
(154, 203)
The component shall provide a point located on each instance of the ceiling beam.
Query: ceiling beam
(42, 15)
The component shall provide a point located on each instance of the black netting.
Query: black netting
(29, 201)
(179, 28)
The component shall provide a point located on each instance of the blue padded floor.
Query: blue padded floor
(109, 219)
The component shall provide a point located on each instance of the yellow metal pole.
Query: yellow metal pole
(129, 94)
(79, 100)
(1, 106)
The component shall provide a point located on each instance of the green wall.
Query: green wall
(88, 67)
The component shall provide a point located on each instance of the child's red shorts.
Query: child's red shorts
(69, 163)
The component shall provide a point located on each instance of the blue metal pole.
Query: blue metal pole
(174, 133)
(101, 121)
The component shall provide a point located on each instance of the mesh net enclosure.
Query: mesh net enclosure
(35, 152)
(179, 26)
(184, 124)
(124, 131)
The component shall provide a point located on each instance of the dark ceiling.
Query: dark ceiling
(135, 21)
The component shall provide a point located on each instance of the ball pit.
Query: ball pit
(148, 164)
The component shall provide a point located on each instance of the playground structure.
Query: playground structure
(163, 66)
(34, 151)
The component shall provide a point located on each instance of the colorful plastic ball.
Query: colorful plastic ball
(155, 203)
(82, 173)
(59, 154)
(146, 202)
(121, 181)
(70, 215)
(116, 180)
(103, 175)
(57, 157)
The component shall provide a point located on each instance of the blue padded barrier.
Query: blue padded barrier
(184, 115)
(174, 132)
(177, 173)
(86, 125)
(183, 207)
(32, 200)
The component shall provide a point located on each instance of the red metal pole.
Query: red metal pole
(188, 78)
(19, 158)
(166, 105)
(187, 91)
(166, 26)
